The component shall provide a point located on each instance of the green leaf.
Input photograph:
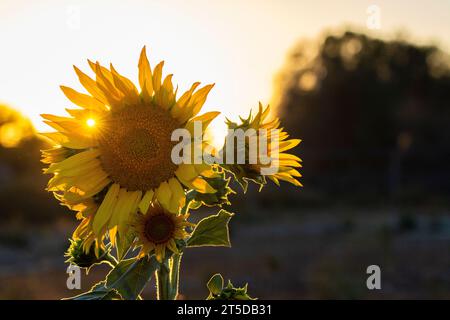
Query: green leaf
(215, 284)
(212, 231)
(130, 276)
(125, 281)
(98, 292)
(124, 244)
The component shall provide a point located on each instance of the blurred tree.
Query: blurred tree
(373, 116)
(14, 128)
(23, 197)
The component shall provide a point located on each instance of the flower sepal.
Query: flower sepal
(243, 174)
(219, 198)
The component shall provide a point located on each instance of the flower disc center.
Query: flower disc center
(159, 228)
(136, 146)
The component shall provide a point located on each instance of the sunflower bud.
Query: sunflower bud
(86, 258)
(218, 292)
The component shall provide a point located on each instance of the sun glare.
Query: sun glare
(216, 133)
(90, 122)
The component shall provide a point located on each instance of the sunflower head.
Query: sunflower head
(273, 162)
(115, 150)
(158, 230)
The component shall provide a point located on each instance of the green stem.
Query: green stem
(163, 281)
(175, 274)
(167, 278)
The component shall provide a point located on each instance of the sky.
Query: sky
(238, 45)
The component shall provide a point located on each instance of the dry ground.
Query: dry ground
(315, 255)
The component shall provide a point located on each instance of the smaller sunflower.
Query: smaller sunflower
(158, 229)
(277, 147)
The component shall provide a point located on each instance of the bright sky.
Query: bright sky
(239, 45)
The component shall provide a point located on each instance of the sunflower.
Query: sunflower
(277, 145)
(157, 229)
(113, 154)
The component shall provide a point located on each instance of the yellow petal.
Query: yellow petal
(202, 186)
(274, 180)
(91, 86)
(172, 246)
(265, 112)
(67, 125)
(287, 156)
(81, 114)
(95, 187)
(146, 200)
(287, 163)
(105, 210)
(133, 199)
(204, 170)
(289, 144)
(288, 178)
(121, 203)
(165, 97)
(107, 85)
(157, 75)
(83, 168)
(126, 86)
(199, 98)
(74, 161)
(160, 252)
(88, 183)
(106, 73)
(195, 103)
(294, 173)
(79, 231)
(205, 120)
(112, 235)
(257, 120)
(83, 100)
(68, 140)
(179, 108)
(184, 99)
(163, 194)
(145, 76)
(186, 172)
(178, 197)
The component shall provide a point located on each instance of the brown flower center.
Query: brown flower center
(159, 228)
(136, 147)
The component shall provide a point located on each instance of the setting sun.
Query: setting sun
(90, 122)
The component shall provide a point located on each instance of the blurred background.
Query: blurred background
(364, 84)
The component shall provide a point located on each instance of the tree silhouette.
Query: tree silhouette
(21, 181)
(373, 116)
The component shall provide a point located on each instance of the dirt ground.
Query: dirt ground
(314, 255)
